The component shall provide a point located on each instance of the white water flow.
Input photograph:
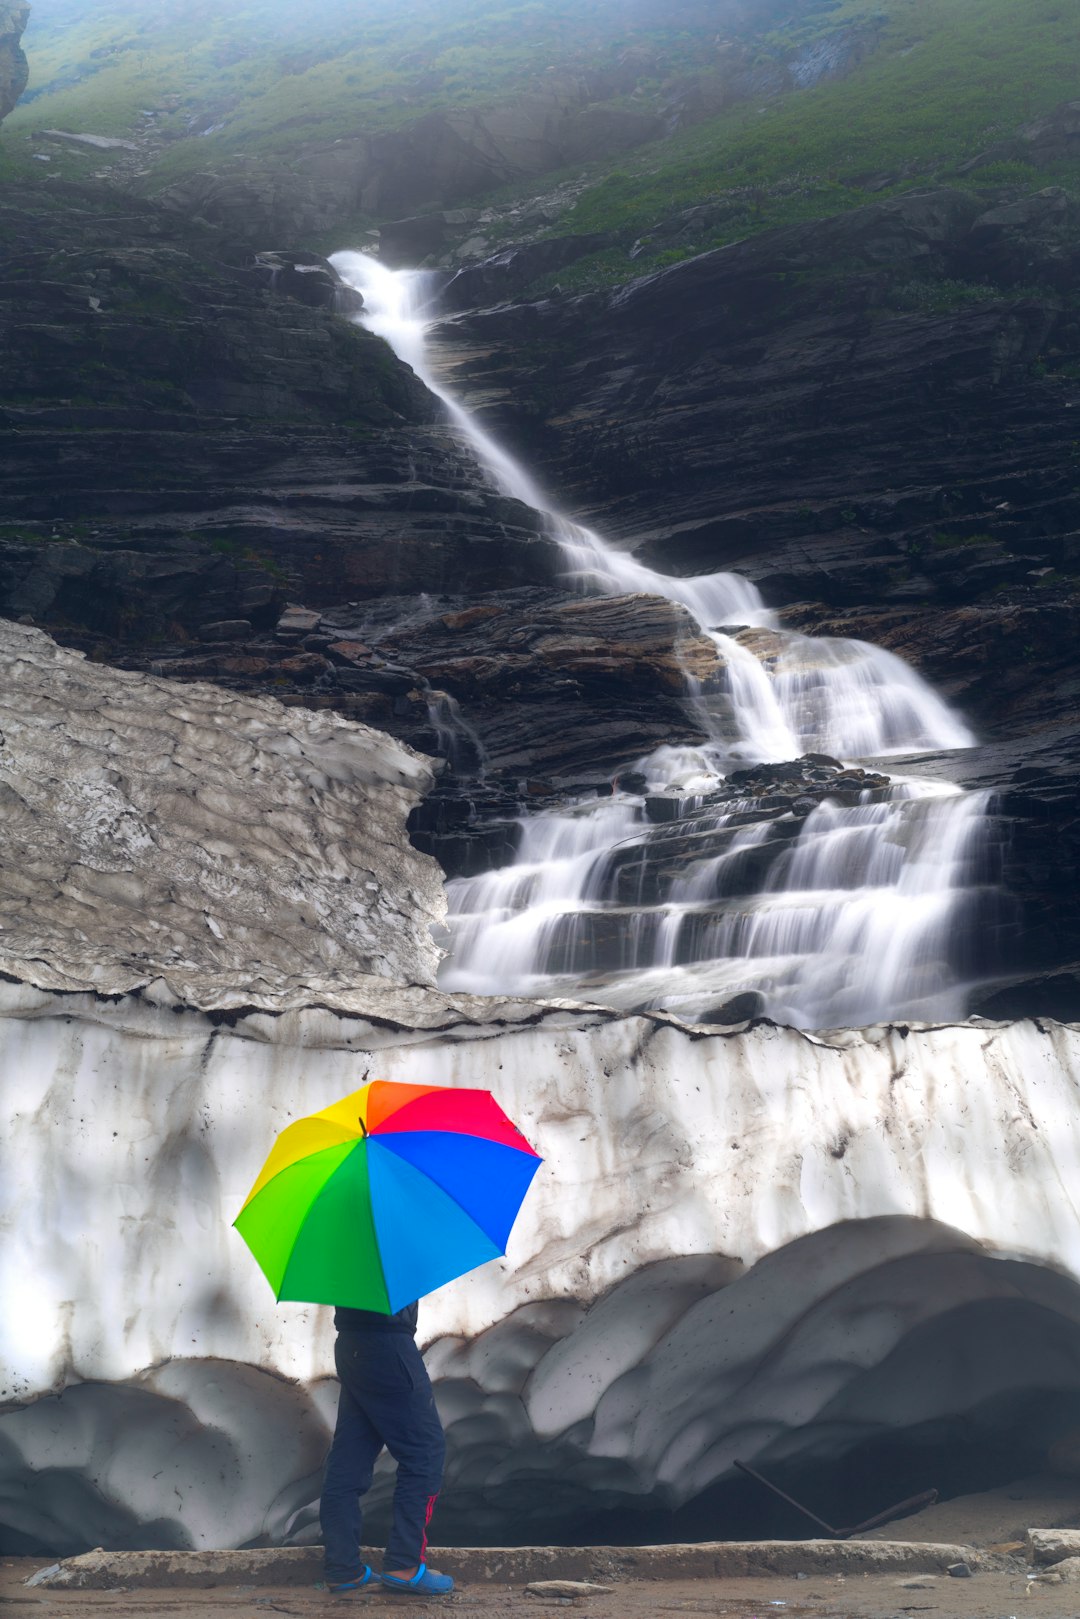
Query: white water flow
(680, 894)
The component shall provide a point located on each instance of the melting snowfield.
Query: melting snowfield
(765, 1245)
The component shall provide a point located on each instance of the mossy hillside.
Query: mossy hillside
(948, 79)
(942, 81)
(267, 78)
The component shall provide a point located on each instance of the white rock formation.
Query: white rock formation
(240, 852)
(761, 1244)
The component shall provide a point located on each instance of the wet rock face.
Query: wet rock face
(760, 409)
(14, 69)
(309, 278)
(886, 461)
(563, 687)
(200, 446)
(194, 437)
(554, 686)
(507, 275)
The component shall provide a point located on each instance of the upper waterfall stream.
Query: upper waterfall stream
(675, 892)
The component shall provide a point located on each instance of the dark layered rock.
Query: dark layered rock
(185, 441)
(531, 689)
(559, 688)
(212, 478)
(507, 275)
(14, 69)
(831, 434)
(310, 278)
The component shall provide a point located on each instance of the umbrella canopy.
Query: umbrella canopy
(386, 1195)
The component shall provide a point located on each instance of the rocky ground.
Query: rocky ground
(840, 1581)
(990, 1596)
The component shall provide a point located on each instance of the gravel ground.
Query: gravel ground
(984, 1596)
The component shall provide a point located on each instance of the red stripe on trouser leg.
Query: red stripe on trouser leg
(428, 1510)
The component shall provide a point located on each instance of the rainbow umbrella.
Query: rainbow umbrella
(387, 1194)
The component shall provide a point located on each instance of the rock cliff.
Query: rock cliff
(840, 410)
(224, 445)
(14, 68)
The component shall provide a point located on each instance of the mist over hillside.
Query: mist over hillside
(680, 126)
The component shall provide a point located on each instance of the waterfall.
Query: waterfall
(680, 893)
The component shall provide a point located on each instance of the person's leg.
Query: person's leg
(348, 1473)
(413, 1435)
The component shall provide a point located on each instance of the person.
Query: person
(386, 1400)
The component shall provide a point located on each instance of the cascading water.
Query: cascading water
(678, 892)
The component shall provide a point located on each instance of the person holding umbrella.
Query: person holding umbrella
(368, 1205)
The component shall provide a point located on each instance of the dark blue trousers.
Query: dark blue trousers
(385, 1399)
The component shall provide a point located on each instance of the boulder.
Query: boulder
(311, 279)
(1046, 1546)
(507, 275)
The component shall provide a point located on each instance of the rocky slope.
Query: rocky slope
(280, 125)
(223, 443)
(452, 156)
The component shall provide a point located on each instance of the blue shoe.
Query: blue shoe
(365, 1577)
(423, 1583)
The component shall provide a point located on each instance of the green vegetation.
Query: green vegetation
(949, 542)
(240, 551)
(949, 78)
(262, 77)
(939, 81)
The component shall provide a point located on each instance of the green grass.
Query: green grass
(274, 74)
(949, 78)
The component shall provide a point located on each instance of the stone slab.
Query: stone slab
(1052, 1545)
(513, 1565)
